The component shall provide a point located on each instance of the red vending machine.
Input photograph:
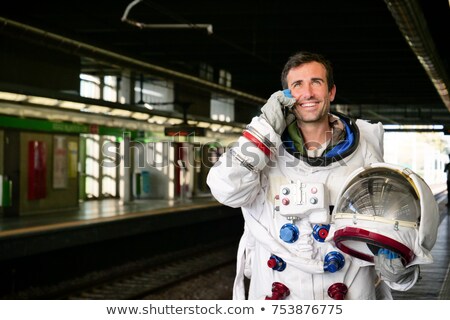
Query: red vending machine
(184, 169)
(37, 170)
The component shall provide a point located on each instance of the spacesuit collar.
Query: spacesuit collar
(337, 153)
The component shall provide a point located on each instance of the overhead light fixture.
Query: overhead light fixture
(120, 113)
(203, 124)
(97, 109)
(42, 101)
(157, 119)
(215, 126)
(140, 25)
(177, 126)
(174, 121)
(227, 128)
(72, 105)
(10, 96)
(140, 116)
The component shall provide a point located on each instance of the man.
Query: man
(447, 169)
(297, 139)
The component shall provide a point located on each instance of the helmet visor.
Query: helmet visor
(381, 193)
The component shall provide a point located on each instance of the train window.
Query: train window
(90, 86)
(222, 108)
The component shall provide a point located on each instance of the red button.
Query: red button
(271, 263)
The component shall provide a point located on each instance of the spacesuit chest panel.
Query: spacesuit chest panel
(288, 169)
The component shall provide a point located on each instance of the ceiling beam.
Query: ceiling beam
(412, 24)
(81, 49)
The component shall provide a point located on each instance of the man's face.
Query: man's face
(308, 85)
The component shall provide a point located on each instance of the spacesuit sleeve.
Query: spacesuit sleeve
(231, 183)
(235, 178)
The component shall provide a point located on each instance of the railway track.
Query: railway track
(146, 282)
(137, 279)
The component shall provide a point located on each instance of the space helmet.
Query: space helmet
(386, 207)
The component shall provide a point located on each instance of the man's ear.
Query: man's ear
(332, 93)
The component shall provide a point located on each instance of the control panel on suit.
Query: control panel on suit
(304, 199)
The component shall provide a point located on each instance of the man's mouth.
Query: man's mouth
(309, 104)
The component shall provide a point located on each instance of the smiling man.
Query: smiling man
(285, 173)
(309, 79)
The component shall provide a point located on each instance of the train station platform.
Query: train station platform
(47, 249)
(101, 220)
(194, 220)
(97, 211)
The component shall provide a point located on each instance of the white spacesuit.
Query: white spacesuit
(294, 256)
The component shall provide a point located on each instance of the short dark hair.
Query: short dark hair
(303, 57)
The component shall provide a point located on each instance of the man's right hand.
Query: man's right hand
(273, 111)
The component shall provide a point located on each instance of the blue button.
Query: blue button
(289, 233)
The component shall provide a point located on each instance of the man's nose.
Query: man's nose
(306, 92)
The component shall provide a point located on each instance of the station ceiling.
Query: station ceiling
(377, 73)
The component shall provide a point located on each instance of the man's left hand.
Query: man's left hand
(392, 269)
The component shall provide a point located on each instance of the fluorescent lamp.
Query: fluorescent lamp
(97, 109)
(140, 116)
(215, 126)
(42, 101)
(227, 128)
(120, 113)
(175, 121)
(157, 119)
(72, 105)
(12, 96)
(203, 124)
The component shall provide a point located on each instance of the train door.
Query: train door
(99, 174)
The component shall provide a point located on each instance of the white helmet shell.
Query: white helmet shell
(386, 206)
